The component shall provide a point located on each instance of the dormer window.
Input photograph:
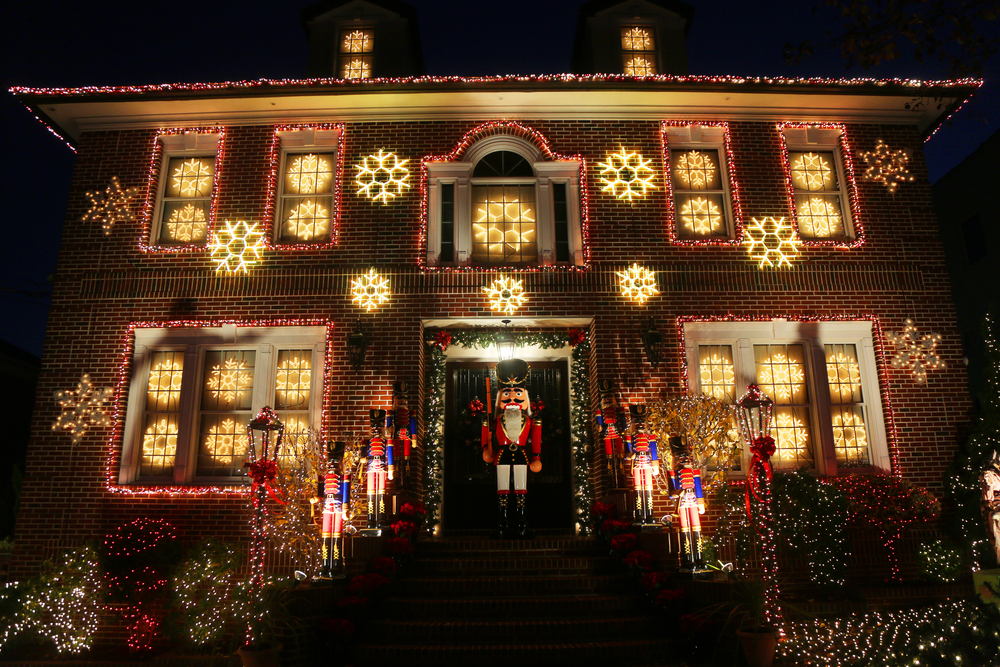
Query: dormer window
(504, 213)
(638, 50)
(357, 53)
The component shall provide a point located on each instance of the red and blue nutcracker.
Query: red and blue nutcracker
(611, 421)
(685, 480)
(645, 466)
(378, 459)
(336, 501)
(402, 425)
(514, 444)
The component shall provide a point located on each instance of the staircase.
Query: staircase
(551, 601)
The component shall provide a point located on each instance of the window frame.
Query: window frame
(655, 53)
(296, 139)
(194, 341)
(813, 335)
(341, 30)
(550, 169)
(173, 143)
(707, 135)
(824, 137)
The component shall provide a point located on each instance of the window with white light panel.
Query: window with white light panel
(699, 171)
(185, 188)
(305, 207)
(819, 189)
(638, 44)
(357, 53)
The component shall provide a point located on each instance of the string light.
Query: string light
(887, 167)
(82, 408)
(637, 283)
(384, 178)
(491, 128)
(111, 206)
(506, 295)
(238, 245)
(918, 355)
(626, 175)
(772, 242)
(370, 290)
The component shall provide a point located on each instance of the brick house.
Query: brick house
(559, 183)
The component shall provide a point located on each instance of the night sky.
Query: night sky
(51, 44)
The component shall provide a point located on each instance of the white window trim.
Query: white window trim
(813, 336)
(186, 144)
(699, 138)
(547, 173)
(194, 342)
(816, 139)
(300, 142)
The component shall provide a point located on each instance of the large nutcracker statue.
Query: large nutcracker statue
(611, 421)
(989, 482)
(336, 502)
(645, 466)
(685, 480)
(402, 425)
(513, 443)
(378, 459)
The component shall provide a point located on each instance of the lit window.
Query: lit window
(638, 50)
(186, 187)
(819, 191)
(504, 206)
(305, 205)
(357, 51)
(819, 375)
(184, 426)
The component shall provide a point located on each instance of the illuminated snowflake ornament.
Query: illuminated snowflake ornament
(771, 242)
(187, 223)
(238, 246)
(916, 353)
(111, 206)
(506, 295)
(309, 219)
(701, 216)
(626, 175)
(82, 408)
(229, 380)
(887, 167)
(637, 283)
(695, 169)
(193, 178)
(382, 176)
(370, 290)
(309, 174)
(811, 171)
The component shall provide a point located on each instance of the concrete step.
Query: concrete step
(470, 608)
(512, 586)
(520, 565)
(527, 631)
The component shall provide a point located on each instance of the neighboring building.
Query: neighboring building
(507, 178)
(967, 200)
(18, 379)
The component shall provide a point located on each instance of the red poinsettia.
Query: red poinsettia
(476, 406)
(367, 584)
(615, 525)
(352, 606)
(404, 528)
(442, 339)
(652, 581)
(414, 512)
(639, 560)
(602, 509)
(537, 406)
(383, 565)
(624, 542)
(399, 546)
(576, 336)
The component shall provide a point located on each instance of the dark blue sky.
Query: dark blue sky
(114, 42)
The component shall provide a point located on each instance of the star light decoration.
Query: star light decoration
(637, 283)
(887, 167)
(238, 246)
(370, 290)
(506, 295)
(626, 175)
(82, 408)
(384, 177)
(771, 242)
(916, 353)
(111, 206)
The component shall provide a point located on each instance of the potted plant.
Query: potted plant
(261, 610)
(745, 609)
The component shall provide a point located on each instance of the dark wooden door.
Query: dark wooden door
(470, 483)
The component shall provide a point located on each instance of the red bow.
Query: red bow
(760, 466)
(263, 472)
(442, 339)
(576, 336)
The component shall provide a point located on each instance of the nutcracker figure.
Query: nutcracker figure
(611, 422)
(685, 479)
(378, 459)
(989, 482)
(336, 493)
(645, 466)
(402, 424)
(513, 444)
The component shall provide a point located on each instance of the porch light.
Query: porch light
(357, 347)
(506, 342)
(652, 340)
(754, 414)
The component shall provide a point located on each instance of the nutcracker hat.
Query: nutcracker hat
(376, 417)
(677, 446)
(512, 372)
(638, 413)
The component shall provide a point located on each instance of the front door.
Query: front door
(470, 483)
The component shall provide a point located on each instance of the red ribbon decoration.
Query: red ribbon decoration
(760, 465)
(264, 472)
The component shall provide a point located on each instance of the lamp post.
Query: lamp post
(262, 467)
(652, 340)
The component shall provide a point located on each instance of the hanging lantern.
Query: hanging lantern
(754, 414)
(652, 340)
(357, 347)
(505, 342)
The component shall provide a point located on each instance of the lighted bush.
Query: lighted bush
(940, 561)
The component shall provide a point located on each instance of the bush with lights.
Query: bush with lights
(940, 561)
(203, 585)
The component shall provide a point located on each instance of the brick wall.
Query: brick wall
(105, 282)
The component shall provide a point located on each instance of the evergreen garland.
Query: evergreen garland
(434, 410)
(811, 517)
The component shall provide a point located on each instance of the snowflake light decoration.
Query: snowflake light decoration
(637, 283)
(913, 352)
(637, 39)
(771, 242)
(701, 216)
(309, 174)
(718, 377)
(781, 375)
(193, 178)
(308, 219)
(506, 295)
(695, 169)
(356, 42)
(229, 379)
(626, 175)
(791, 437)
(82, 408)
(111, 206)
(820, 217)
(187, 223)
(293, 381)
(238, 246)
(357, 69)
(811, 171)
(370, 290)
(164, 381)
(382, 176)
(887, 167)
(843, 375)
(160, 441)
(225, 441)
